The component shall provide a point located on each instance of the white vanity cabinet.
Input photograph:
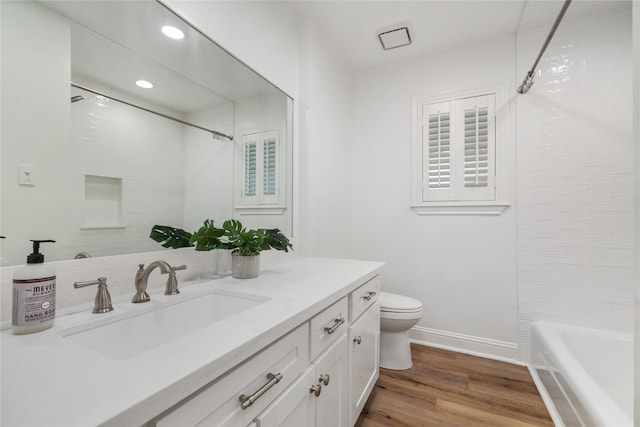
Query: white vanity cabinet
(364, 345)
(318, 375)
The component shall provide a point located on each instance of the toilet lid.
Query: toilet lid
(398, 303)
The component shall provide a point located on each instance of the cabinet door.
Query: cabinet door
(332, 407)
(293, 408)
(364, 358)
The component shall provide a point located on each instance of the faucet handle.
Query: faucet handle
(171, 287)
(102, 302)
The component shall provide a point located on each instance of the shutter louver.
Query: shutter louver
(439, 154)
(476, 147)
(250, 173)
(269, 166)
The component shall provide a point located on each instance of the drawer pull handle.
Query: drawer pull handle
(336, 325)
(369, 295)
(324, 379)
(315, 389)
(247, 401)
(357, 340)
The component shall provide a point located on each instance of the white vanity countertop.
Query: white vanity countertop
(49, 380)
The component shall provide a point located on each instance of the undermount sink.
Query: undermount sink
(134, 333)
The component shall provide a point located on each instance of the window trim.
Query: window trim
(504, 131)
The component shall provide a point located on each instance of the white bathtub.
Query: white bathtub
(587, 374)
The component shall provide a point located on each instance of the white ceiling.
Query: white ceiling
(436, 25)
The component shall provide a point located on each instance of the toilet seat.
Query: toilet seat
(401, 315)
(394, 303)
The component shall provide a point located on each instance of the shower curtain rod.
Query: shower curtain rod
(214, 133)
(528, 80)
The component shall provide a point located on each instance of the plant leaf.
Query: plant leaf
(244, 242)
(171, 237)
(207, 237)
(278, 241)
(232, 227)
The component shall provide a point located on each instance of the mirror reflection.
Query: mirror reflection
(123, 116)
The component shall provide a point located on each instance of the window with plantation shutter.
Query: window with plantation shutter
(458, 149)
(260, 163)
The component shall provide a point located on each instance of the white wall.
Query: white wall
(575, 177)
(462, 268)
(35, 97)
(208, 168)
(326, 120)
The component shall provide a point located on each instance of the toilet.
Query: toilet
(398, 313)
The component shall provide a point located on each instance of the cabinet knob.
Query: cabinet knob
(324, 379)
(357, 340)
(316, 389)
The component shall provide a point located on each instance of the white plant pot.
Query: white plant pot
(245, 267)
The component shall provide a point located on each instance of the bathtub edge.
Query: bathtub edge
(546, 399)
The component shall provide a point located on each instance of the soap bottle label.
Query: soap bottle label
(34, 301)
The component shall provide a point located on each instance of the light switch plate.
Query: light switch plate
(27, 175)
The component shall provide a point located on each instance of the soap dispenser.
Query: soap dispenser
(34, 294)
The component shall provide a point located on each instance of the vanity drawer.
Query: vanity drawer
(363, 297)
(328, 325)
(219, 404)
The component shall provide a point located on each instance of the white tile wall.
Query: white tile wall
(144, 151)
(575, 176)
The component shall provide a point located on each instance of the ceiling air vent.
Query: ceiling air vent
(396, 37)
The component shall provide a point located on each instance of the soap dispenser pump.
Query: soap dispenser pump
(34, 294)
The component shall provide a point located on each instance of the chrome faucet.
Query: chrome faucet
(102, 302)
(142, 276)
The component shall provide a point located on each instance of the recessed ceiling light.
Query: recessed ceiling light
(144, 84)
(172, 32)
(395, 38)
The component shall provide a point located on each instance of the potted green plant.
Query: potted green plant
(245, 244)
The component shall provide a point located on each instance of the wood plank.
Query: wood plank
(445, 388)
(477, 417)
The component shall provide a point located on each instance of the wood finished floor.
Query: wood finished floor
(447, 389)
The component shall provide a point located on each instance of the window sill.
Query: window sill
(460, 208)
(261, 210)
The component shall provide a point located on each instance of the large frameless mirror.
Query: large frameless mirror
(119, 115)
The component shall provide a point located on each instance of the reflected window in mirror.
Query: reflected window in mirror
(261, 160)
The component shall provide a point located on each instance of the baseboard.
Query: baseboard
(476, 346)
